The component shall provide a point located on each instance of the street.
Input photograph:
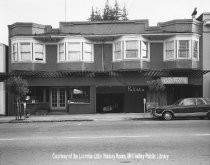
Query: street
(106, 142)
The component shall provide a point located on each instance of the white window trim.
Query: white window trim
(19, 52)
(148, 50)
(82, 52)
(198, 58)
(138, 49)
(189, 47)
(121, 52)
(58, 52)
(44, 53)
(12, 57)
(18, 41)
(164, 53)
(92, 53)
(176, 39)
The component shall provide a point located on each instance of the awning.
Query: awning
(139, 73)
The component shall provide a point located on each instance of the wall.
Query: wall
(2, 84)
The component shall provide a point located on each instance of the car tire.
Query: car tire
(208, 115)
(167, 116)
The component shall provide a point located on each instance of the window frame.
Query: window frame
(165, 50)
(147, 50)
(68, 50)
(120, 51)
(125, 49)
(84, 52)
(43, 53)
(74, 100)
(197, 58)
(59, 52)
(30, 52)
(15, 59)
(189, 49)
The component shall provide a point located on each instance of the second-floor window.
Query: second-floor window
(88, 52)
(15, 52)
(131, 49)
(183, 49)
(195, 49)
(38, 52)
(25, 51)
(117, 50)
(144, 50)
(28, 51)
(169, 50)
(74, 51)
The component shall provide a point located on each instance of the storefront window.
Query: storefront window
(80, 95)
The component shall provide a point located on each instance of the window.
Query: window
(38, 52)
(61, 52)
(88, 52)
(117, 50)
(144, 50)
(14, 52)
(189, 102)
(80, 95)
(195, 49)
(169, 50)
(74, 51)
(25, 51)
(183, 49)
(200, 102)
(131, 49)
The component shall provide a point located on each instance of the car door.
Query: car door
(187, 108)
(202, 107)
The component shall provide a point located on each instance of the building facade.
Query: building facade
(3, 72)
(104, 67)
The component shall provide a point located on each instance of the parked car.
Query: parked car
(187, 107)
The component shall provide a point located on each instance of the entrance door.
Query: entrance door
(58, 98)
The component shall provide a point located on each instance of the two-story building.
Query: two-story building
(102, 67)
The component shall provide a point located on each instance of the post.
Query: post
(24, 109)
(144, 101)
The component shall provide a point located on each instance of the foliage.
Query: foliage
(18, 87)
(156, 85)
(109, 13)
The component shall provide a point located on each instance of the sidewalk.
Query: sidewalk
(80, 117)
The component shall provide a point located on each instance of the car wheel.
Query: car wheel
(208, 115)
(167, 116)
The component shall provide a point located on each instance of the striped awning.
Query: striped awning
(141, 73)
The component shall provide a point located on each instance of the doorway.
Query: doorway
(58, 98)
(109, 103)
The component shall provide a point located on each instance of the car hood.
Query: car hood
(166, 107)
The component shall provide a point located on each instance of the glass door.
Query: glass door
(58, 98)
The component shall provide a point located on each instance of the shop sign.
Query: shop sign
(174, 80)
(135, 89)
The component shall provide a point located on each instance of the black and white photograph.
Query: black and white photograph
(104, 82)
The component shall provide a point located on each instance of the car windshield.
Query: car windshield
(177, 102)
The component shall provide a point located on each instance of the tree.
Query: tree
(124, 15)
(156, 93)
(109, 13)
(18, 87)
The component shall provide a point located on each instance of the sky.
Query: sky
(51, 12)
